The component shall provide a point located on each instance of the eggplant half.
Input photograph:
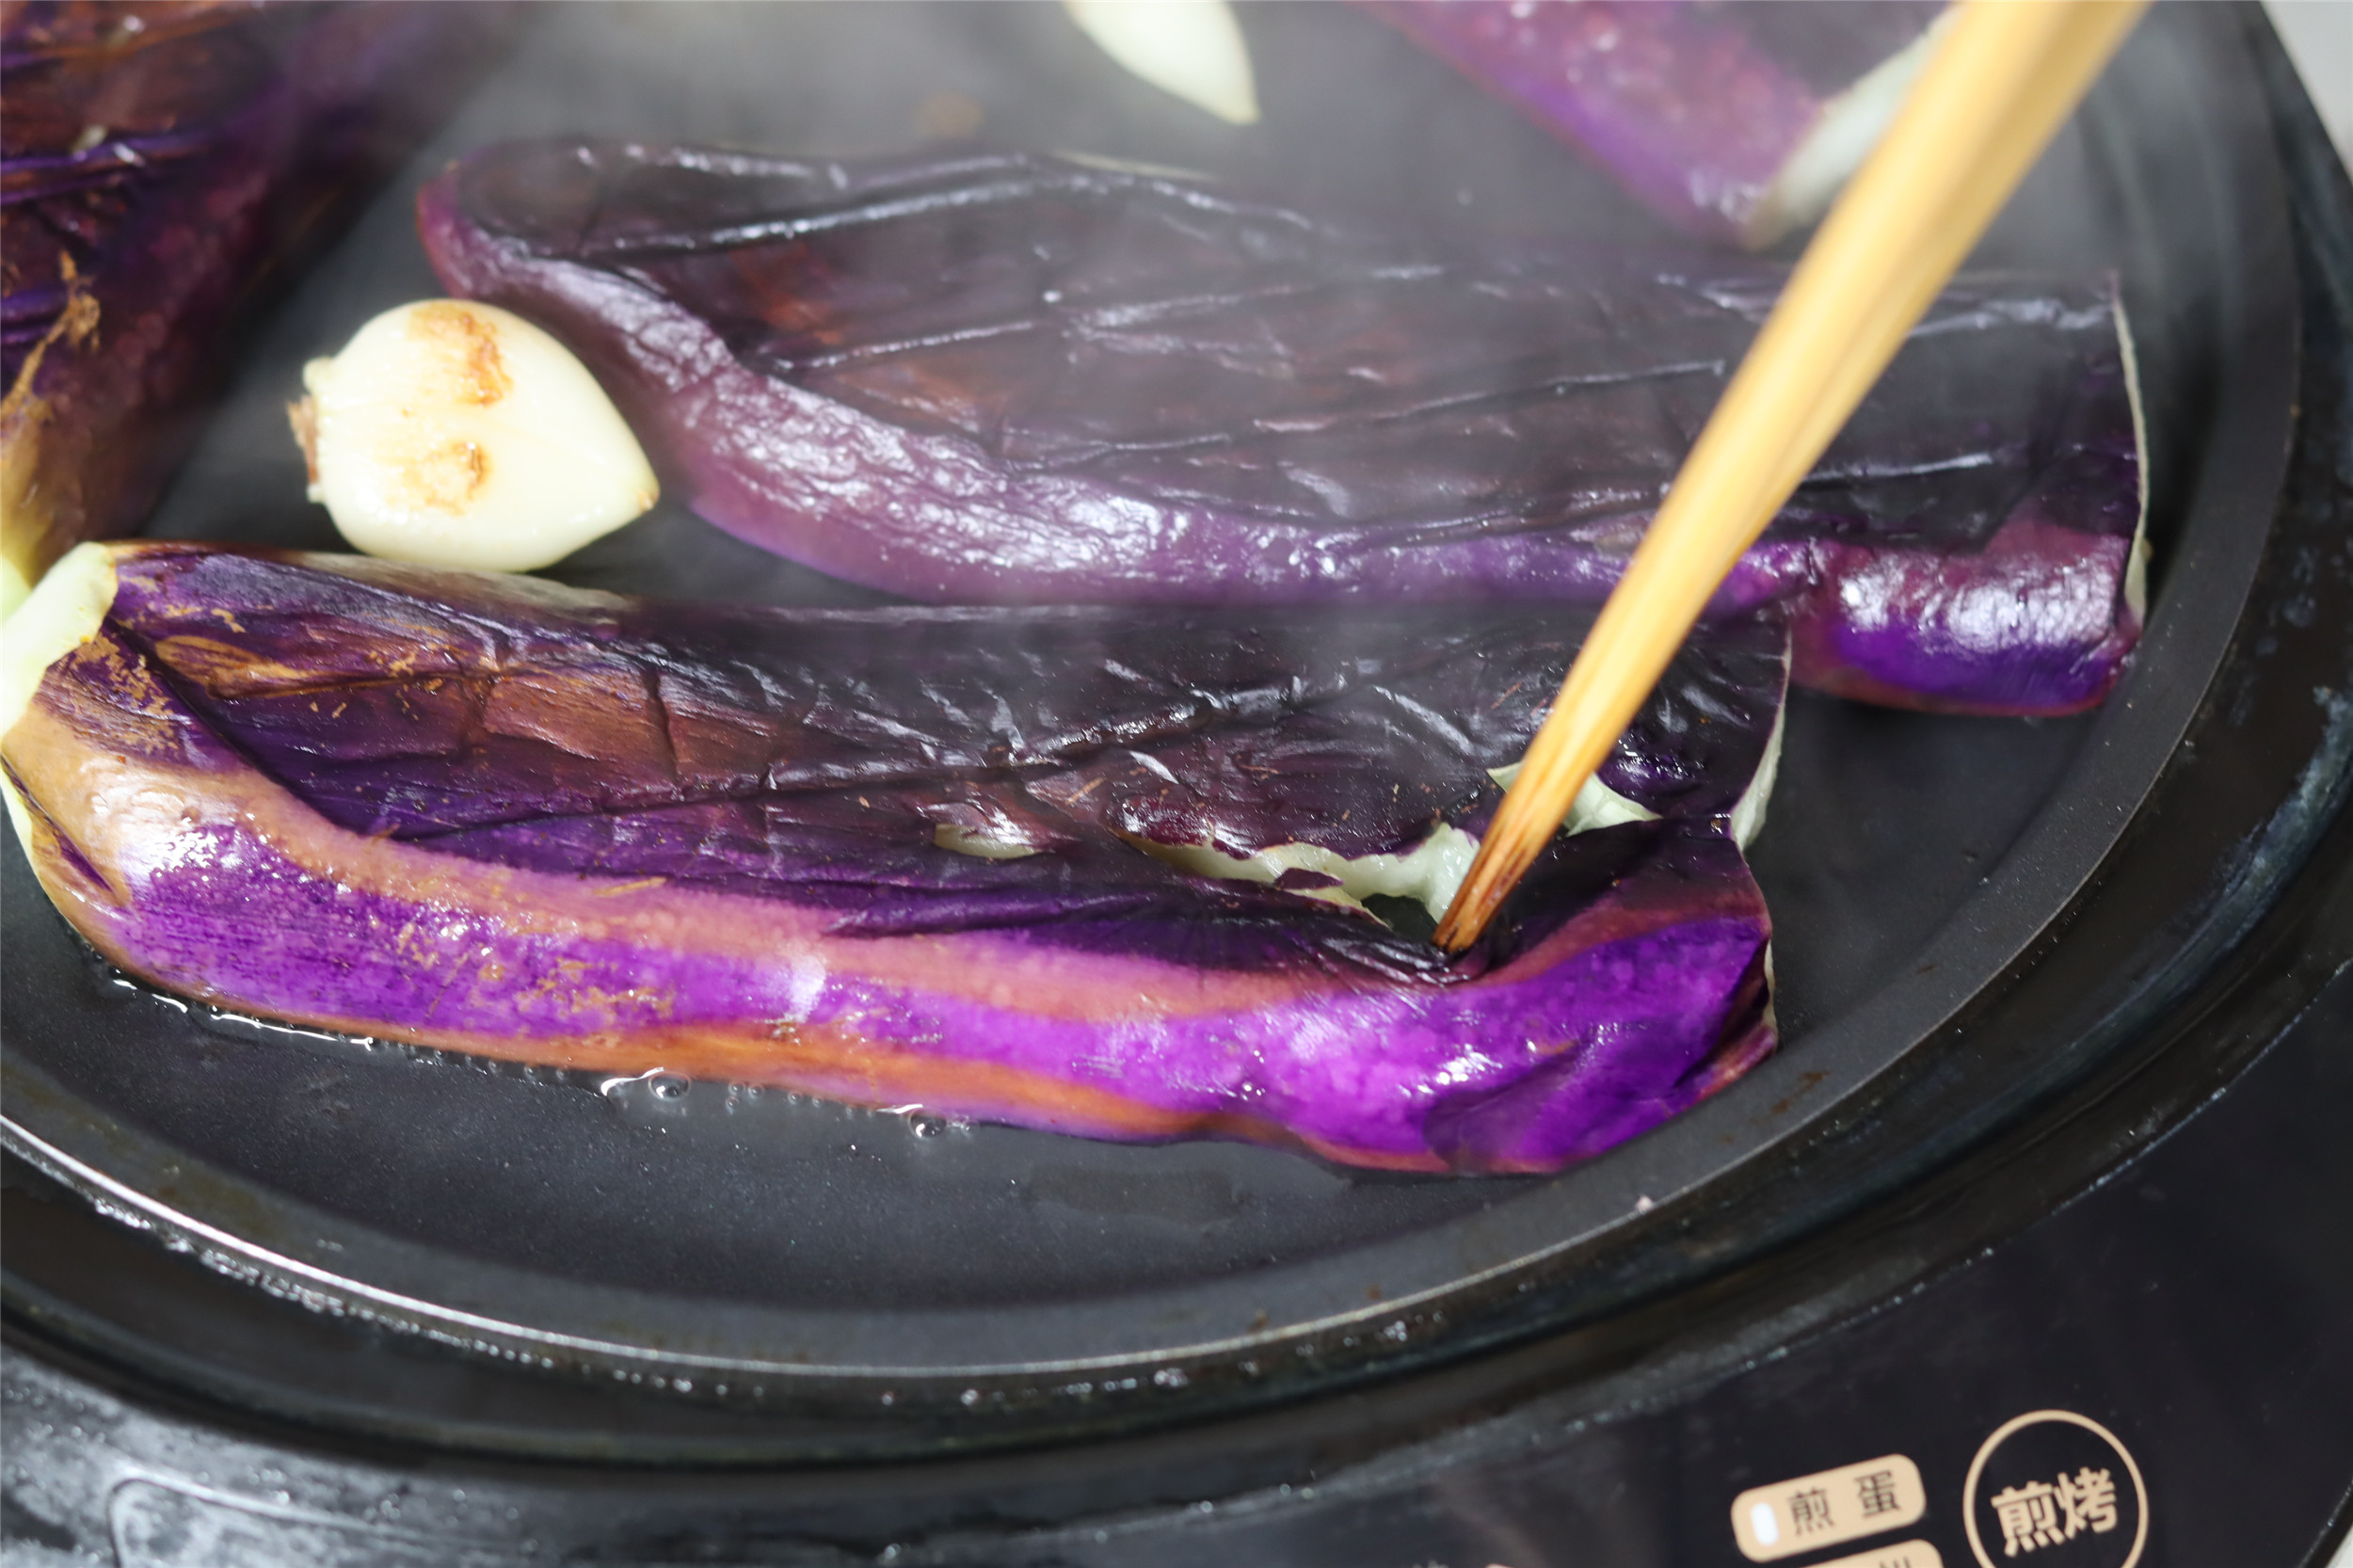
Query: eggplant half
(1014, 378)
(1733, 122)
(1130, 873)
(165, 163)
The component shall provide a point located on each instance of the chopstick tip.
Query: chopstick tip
(1495, 871)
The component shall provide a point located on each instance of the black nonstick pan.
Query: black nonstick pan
(1951, 948)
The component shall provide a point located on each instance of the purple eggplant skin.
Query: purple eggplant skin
(492, 815)
(166, 166)
(1016, 378)
(1698, 110)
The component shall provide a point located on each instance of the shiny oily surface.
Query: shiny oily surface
(1907, 859)
(167, 165)
(1037, 378)
(637, 837)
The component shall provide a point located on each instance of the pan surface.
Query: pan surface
(736, 1246)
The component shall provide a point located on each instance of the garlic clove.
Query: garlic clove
(455, 434)
(1190, 48)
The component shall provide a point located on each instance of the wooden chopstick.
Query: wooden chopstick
(2006, 76)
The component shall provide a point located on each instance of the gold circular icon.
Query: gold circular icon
(2035, 1418)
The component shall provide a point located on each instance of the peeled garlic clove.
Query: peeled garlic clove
(1190, 48)
(455, 434)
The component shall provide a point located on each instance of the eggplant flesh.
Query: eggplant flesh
(164, 164)
(492, 815)
(1021, 378)
(1733, 123)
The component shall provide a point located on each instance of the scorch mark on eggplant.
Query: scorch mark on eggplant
(492, 815)
(1011, 378)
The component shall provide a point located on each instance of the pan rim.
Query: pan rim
(2131, 740)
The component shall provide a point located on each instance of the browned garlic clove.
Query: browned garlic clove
(455, 434)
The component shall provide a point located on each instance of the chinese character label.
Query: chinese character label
(1805, 1512)
(2043, 1513)
(1874, 1491)
(2089, 1498)
(1809, 1512)
(2028, 1516)
(1904, 1553)
(2057, 1487)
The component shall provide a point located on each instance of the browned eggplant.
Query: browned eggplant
(1105, 871)
(164, 165)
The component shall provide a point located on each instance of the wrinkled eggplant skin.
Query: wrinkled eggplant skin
(1011, 378)
(1693, 108)
(231, 141)
(818, 752)
(489, 815)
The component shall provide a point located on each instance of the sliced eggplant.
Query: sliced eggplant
(1733, 122)
(166, 163)
(1015, 378)
(1109, 871)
